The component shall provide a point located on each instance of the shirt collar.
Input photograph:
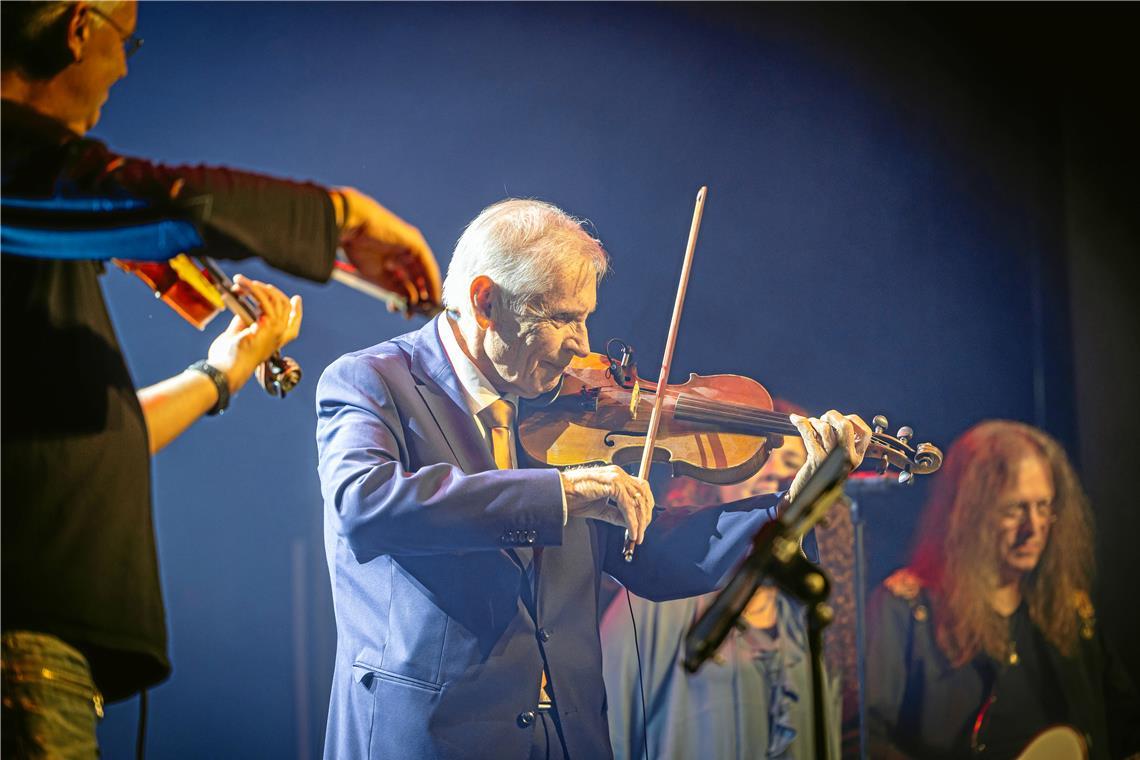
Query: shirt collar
(477, 389)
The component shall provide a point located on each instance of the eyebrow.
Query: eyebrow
(569, 315)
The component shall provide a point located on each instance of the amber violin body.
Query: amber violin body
(198, 292)
(177, 293)
(717, 428)
(593, 420)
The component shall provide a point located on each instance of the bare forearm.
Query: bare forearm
(172, 405)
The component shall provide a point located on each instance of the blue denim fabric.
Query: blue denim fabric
(50, 703)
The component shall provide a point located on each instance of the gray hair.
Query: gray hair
(520, 244)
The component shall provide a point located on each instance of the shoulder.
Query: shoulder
(387, 358)
(904, 584)
(368, 372)
(903, 594)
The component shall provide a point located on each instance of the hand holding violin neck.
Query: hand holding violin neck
(821, 435)
(244, 346)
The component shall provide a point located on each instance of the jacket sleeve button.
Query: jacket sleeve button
(526, 719)
(543, 634)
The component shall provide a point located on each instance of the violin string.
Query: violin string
(718, 411)
(745, 418)
(708, 410)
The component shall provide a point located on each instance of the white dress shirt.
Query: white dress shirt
(477, 389)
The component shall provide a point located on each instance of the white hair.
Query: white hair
(522, 245)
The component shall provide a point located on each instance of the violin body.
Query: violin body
(593, 419)
(192, 298)
(198, 292)
(717, 428)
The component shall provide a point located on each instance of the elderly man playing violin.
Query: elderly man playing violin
(82, 606)
(466, 588)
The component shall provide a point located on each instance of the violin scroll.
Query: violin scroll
(279, 377)
(896, 451)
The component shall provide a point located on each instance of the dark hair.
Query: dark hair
(34, 38)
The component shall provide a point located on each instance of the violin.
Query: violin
(198, 290)
(718, 428)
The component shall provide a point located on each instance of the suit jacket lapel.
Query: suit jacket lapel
(440, 390)
(438, 386)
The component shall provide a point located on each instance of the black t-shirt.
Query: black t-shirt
(79, 556)
(1026, 697)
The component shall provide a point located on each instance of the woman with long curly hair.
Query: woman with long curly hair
(989, 637)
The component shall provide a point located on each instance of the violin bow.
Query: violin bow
(667, 360)
(346, 274)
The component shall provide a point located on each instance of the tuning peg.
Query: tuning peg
(880, 423)
(904, 434)
(906, 478)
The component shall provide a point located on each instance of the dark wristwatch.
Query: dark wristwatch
(220, 382)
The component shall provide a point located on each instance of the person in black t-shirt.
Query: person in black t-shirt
(83, 617)
(988, 638)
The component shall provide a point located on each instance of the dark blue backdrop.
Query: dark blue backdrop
(881, 235)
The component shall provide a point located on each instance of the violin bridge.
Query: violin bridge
(634, 398)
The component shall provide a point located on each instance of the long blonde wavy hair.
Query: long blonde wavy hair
(957, 555)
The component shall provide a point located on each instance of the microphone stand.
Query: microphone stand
(776, 555)
(854, 487)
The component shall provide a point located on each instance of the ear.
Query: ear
(482, 294)
(78, 29)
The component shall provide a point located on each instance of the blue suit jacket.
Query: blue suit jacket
(440, 645)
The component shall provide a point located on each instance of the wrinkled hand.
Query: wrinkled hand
(610, 494)
(822, 434)
(242, 348)
(389, 252)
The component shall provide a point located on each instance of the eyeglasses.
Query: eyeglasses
(1011, 515)
(131, 42)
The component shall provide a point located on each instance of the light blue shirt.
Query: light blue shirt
(752, 701)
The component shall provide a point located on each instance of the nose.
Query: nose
(579, 341)
(1031, 525)
(1038, 522)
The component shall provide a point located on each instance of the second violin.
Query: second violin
(198, 292)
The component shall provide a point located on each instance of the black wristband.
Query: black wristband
(220, 382)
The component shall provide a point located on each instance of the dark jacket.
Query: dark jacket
(919, 705)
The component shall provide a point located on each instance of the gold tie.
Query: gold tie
(501, 415)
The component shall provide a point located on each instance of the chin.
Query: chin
(1023, 565)
(538, 389)
(93, 118)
